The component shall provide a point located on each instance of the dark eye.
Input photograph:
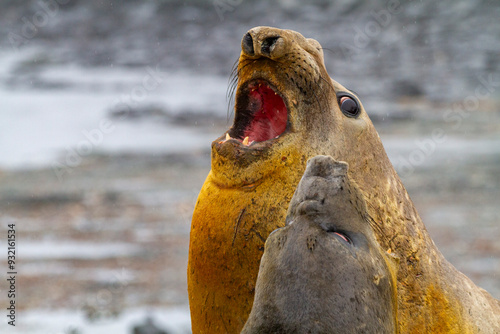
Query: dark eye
(349, 106)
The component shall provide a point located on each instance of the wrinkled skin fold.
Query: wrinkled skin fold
(256, 166)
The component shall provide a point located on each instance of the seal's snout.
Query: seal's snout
(309, 207)
(326, 167)
(266, 42)
(322, 182)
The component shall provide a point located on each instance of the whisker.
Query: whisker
(233, 84)
(232, 77)
(329, 50)
(328, 82)
(318, 101)
(352, 91)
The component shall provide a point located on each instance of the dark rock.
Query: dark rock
(148, 327)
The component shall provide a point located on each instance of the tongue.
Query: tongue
(269, 119)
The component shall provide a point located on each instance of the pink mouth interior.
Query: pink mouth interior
(269, 113)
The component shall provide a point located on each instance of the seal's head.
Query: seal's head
(285, 99)
(324, 272)
(287, 110)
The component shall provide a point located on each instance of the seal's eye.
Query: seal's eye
(343, 236)
(349, 106)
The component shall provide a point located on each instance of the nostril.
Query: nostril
(247, 44)
(268, 45)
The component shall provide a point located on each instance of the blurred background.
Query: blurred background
(108, 109)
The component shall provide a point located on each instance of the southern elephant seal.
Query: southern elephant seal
(325, 271)
(256, 166)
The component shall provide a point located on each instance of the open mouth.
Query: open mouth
(261, 114)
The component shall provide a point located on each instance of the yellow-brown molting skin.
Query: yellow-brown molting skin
(246, 194)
